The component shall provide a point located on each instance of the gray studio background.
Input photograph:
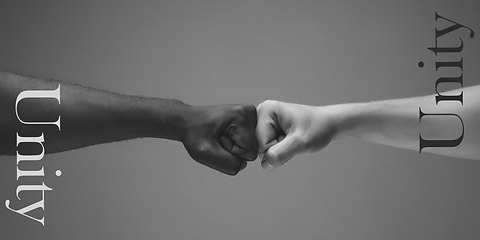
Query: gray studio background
(215, 52)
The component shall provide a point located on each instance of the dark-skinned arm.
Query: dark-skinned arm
(221, 137)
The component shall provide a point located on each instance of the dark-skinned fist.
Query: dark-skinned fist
(222, 137)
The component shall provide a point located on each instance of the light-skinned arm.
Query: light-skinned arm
(287, 129)
(221, 137)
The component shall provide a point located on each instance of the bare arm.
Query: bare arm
(90, 116)
(287, 129)
(397, 122)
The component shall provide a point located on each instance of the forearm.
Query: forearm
(87, 116)
(396, 122)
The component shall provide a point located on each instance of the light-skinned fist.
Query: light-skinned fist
(287, 129)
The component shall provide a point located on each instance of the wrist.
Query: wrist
(344, 119)
(167, 118)
(361, 120)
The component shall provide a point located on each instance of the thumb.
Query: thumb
(281, 152)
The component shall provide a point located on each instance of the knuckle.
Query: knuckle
(245, 114)
(251, 109)
(269, 103)
(239, 109)
(245, 110)
(266, 106)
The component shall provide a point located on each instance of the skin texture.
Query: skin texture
(221, 137)
(287, 129)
